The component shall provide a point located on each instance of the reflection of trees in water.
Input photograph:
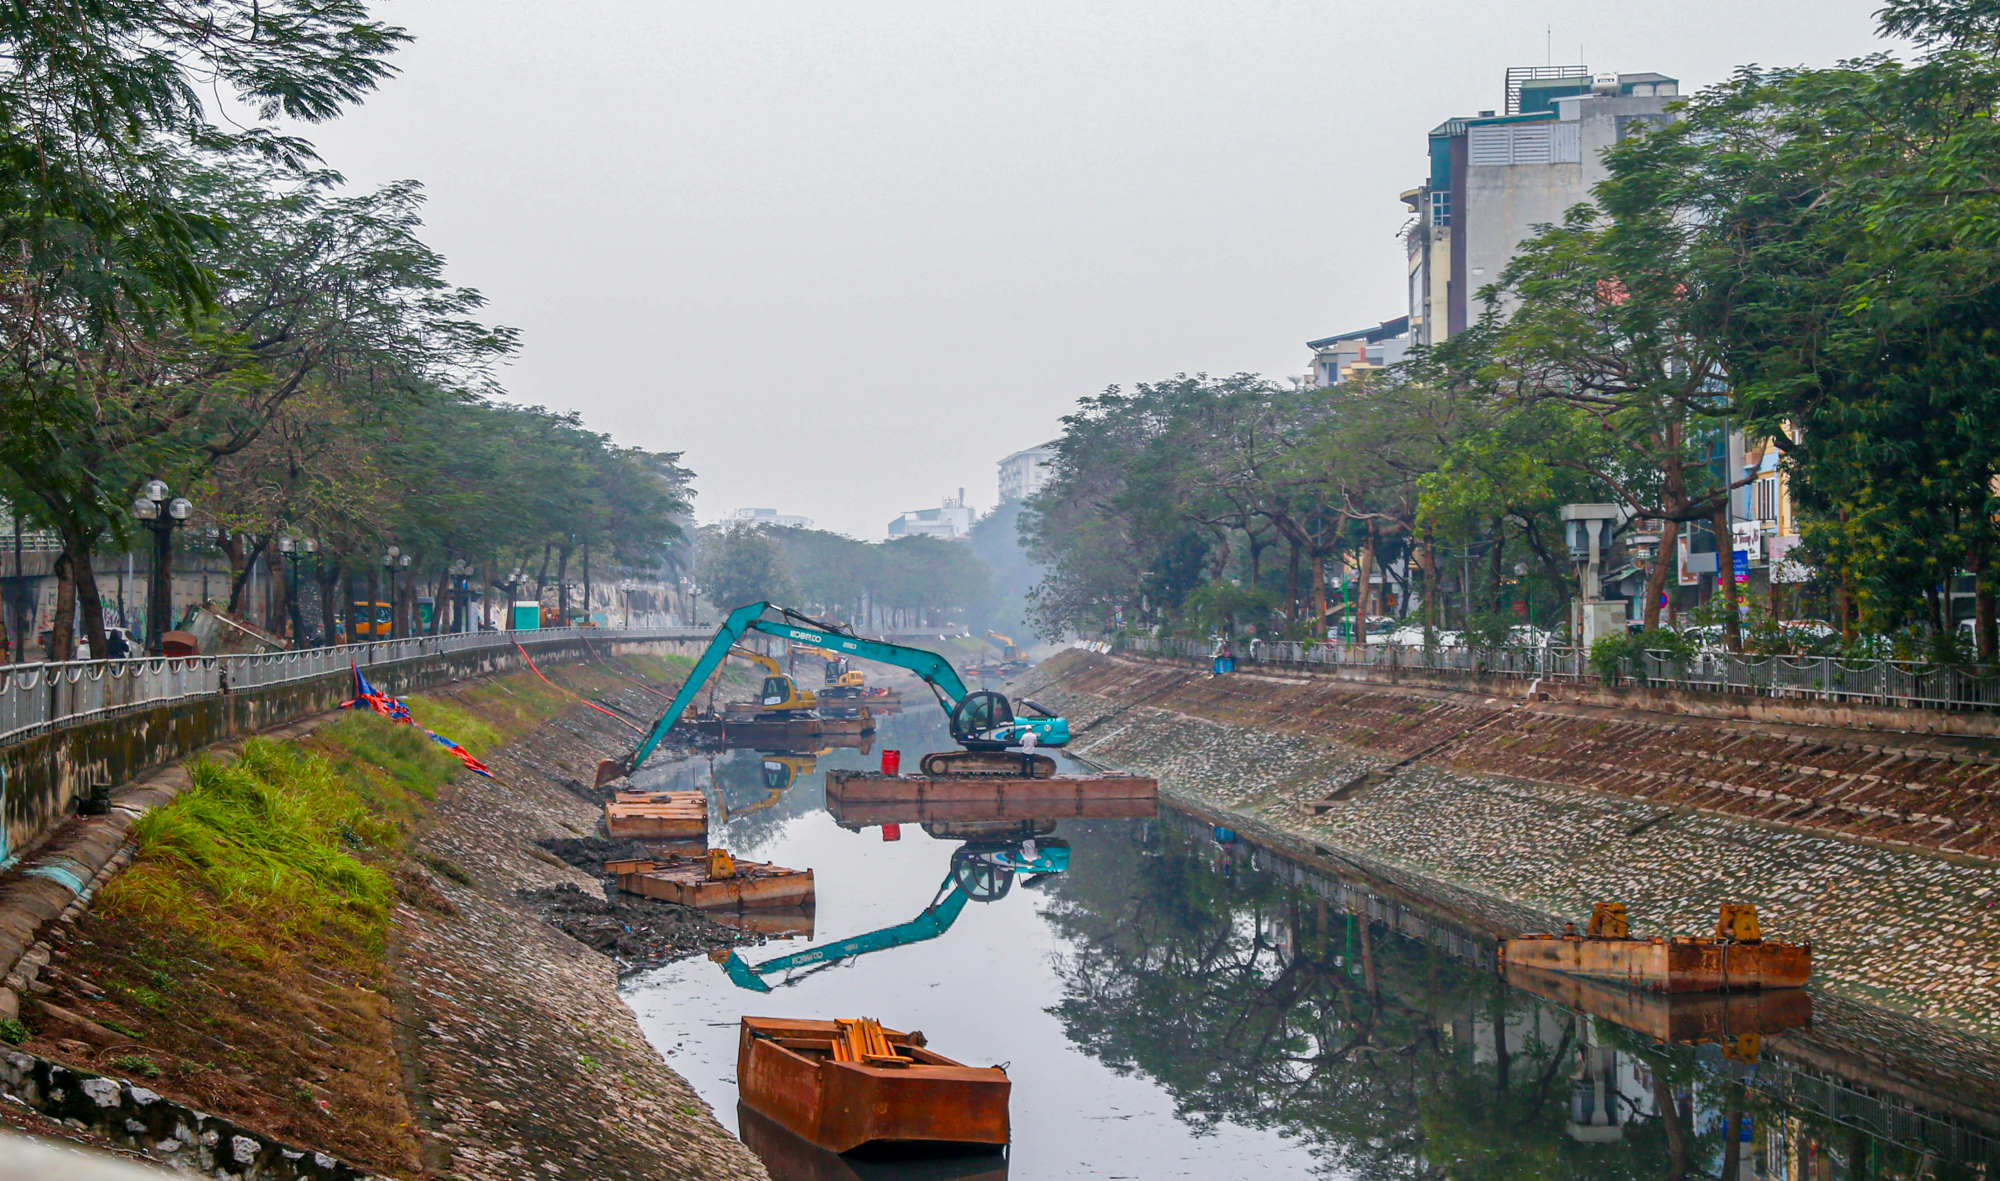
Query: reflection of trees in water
(1251, 1002)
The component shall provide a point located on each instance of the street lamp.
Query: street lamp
(394, 561)
(162, 512)
(461, 573)
(295, 550)
(626, 586)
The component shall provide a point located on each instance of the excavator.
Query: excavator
(979, 873)
(1007, 649)
(780, 697)
(983, 723)
(838, 674)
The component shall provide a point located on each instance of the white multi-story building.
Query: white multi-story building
(767, 516)
(951, 521)
(1025, 473)
(1337, 360)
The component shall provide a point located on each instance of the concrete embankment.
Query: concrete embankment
(330, 945)
(1521, 810)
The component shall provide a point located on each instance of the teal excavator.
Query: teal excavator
(979, 873)
(983, 723)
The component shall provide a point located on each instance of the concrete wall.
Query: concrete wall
(42, 778)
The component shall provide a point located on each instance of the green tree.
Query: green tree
(742, 564)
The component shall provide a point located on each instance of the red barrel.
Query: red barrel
(892, 832)
(892, 762)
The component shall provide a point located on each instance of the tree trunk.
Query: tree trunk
(1362, 593)
(1732, 1142)
(1725, 577)
(1292, 584)
(242, 565)
(1656, 579)
(562, 586)
(1427, 561)
(1495, 557)
(89, 602)
(1983, 625)
(62, 628)
(1670, 1121)
(1319, 595)
(328, 577)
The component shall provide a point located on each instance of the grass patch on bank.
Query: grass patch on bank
(271, 854)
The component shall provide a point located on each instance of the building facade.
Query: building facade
(1025, 473)
(950, 521)
(1339, 359)
(1494, 177)
(767, 516)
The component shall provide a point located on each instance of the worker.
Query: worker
(1028, 740)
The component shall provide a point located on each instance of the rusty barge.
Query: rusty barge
(716, 881)
(843, 1085)
(1736, 957)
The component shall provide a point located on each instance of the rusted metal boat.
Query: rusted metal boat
(1737, 956)
(776, 922)
(657, 815)
(716, 881)
(789, 1156)
(978, 797)
(844, 1085)
(858, 810)
(1737, 1021)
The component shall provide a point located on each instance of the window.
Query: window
(1767, 498)
(1441, 208)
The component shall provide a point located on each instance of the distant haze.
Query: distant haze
(847, 255)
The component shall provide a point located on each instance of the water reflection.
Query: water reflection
(1253, 1001)
(1175, 1007)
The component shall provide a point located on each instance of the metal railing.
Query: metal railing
(1911, 684)
(39, 697)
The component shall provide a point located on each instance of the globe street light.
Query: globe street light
(461, 587)
(162, 512)
(394, 561)
(513, 592)
(626, 586)
(295, 550)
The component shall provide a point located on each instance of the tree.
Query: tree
(742, 564)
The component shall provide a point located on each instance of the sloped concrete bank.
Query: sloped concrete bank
(487, 1044)
(1546, 808)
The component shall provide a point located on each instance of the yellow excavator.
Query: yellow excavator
(838, 674)
(780, 697)
(1007, 649)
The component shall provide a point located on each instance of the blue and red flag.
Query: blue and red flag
(367, 696)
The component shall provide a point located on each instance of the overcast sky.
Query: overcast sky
(846, 255)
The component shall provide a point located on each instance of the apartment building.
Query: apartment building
(1494, 176)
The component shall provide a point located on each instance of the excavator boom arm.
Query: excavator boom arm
(935, 921)
(934, 669)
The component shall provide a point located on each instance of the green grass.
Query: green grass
(260, 856)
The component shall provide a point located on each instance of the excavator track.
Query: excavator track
(999, 763)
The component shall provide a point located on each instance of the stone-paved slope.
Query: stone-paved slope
(1915, 790)
(531, 1066)
(1897, 927)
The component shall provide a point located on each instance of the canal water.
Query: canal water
(1179, 1002)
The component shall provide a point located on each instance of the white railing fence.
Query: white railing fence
(38, 697)
(1897, 683)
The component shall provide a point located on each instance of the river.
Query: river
(1181, 1003)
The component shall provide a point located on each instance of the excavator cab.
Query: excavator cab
(781, 694)
(984, 720)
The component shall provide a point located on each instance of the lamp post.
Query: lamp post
(625, 587)
(513, 592)
(295, 550)
(394, 561)
(162, 512)
(461, 590)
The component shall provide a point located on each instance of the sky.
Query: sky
(845, 255)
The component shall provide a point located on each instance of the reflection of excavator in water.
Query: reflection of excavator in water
(779, 770)
(980, 872)
(982, 722)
